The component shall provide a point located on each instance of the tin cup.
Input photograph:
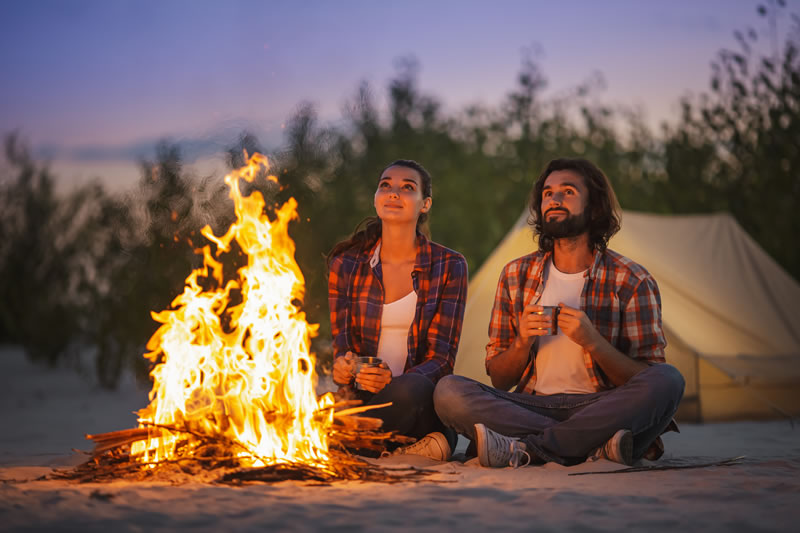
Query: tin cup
(365, 362)
(550, 311)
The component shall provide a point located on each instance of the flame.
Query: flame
(240, 368)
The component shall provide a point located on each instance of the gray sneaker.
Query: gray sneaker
(496, 450)
(619, 449)
(433, 446)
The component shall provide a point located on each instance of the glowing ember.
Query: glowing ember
(251, 380)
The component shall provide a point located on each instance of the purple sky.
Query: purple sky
(94, 83)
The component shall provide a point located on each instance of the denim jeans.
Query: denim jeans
(411, 413)
(565, 428)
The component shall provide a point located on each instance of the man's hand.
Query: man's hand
(531, 324)
(343, 368)
(506, 368)
(618, 367)
(577, 326)
(374, 378)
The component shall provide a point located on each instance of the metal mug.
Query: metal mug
(365, 362)
(552, 311)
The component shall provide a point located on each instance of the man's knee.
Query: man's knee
(449, 397)
(666, 382)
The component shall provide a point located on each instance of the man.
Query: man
(599, 388)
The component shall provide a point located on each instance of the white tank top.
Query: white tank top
(395, 323)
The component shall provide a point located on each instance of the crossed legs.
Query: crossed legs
(565, 428)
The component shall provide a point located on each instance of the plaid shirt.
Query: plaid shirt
(355, 297)
(619, 296)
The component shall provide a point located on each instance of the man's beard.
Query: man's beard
(567, 227)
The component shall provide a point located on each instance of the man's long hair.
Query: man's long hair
(602, 208)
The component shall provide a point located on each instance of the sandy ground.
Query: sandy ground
(46, 414)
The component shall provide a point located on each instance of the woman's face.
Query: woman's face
(399, 196)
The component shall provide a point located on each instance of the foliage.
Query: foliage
(86, 268)
(738, 149)
(42, 278)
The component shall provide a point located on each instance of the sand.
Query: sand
(47, 412)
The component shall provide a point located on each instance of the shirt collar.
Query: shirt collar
(591, 273)
(375, 258)
(594, 270)
(423, 253)
(539, 272)
(423, 261)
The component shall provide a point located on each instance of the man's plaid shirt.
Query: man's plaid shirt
(355, 297)
(619, 297)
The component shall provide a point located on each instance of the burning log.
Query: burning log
(108, 441)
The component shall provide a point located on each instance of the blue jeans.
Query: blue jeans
(565, 428)
(411, 413)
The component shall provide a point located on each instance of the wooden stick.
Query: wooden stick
(344, 403)
(114, 435)
(361, 409)
(725, 462)
(360, 422)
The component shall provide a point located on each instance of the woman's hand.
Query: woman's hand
(343, 368)
(374, 378)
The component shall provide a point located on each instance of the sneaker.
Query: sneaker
(655, 451)
(619, 449)
(433, 446)
(497, 450)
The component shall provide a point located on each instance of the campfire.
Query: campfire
(233, 395)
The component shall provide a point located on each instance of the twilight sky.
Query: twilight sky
(93, 84)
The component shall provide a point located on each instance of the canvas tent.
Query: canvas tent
(731, 314)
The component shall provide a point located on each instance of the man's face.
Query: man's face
(565, 205)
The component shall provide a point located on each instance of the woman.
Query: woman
(396, 295)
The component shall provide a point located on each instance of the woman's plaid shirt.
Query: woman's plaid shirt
(619, 297)
(355, 297)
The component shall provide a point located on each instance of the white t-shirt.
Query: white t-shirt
(560, 366)
(395, 323)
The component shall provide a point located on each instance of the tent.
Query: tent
(731, 314)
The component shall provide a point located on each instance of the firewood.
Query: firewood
(361, 409)
(214, 457)
(344, 403)
(359, 422)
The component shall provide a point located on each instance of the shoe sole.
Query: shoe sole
(626, 448)
(480, 437)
